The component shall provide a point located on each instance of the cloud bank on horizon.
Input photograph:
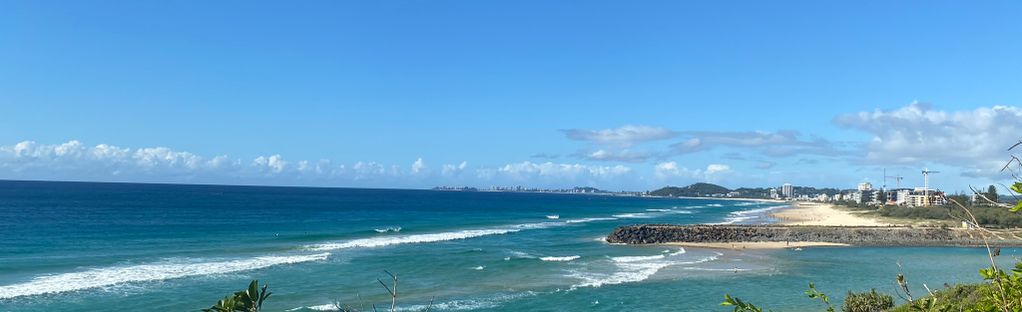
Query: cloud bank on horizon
(970, 143)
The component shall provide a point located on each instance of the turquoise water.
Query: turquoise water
(100, 247)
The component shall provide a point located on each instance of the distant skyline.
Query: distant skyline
(406, 94)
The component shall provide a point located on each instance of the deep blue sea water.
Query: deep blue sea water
(106, 246)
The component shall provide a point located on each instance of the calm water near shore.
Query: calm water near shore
(95, 247)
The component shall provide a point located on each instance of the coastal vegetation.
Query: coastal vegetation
(870, 301)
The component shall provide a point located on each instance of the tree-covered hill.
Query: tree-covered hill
(694, 190)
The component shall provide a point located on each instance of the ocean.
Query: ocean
(67, 246)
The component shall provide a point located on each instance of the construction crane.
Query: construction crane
(926, 186)
(897, 180)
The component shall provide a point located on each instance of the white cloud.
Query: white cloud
(671, 170)
(365, 170)
(454, 170)
(717, 169)
(610, 155)
(975, 141)
(668, 169)
(545, 156)
(776, 144)
(624, 136)
(419, 167)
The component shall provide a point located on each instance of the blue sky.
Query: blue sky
(619, 95)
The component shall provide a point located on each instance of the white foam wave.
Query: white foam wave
(587, 220)
(445, 236)
(102, 277)
(756, 211)
(635, 269)
(479, 268)
(715, 205)
(648, 258)
(410, 239)
(746, 215)
(638, 215)
(560, 259)
(470, 304)
(743, 204)
(554, 217)
(658, 210)
(521, 255)
(388, 229)
(322, 307)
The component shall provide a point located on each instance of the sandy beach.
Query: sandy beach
(813, 213)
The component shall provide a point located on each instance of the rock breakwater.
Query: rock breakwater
(856, 236)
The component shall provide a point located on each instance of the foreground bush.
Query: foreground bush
(249, 300)
(958, 298)
(871, 301)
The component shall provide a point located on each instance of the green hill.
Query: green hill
(694, 190)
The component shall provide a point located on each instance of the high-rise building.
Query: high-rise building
(787, 190)
(865, 186)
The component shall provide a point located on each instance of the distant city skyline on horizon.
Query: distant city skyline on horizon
(415, 95)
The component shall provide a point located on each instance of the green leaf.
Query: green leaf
(1018, 206)
(1017, 187)
(728, 301)
(986, 273)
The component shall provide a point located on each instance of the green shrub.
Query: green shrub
(871, 301)
(249, 300)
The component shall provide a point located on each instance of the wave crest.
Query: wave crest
(102, 277)
(559, 259)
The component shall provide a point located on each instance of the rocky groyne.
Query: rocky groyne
(856, 236)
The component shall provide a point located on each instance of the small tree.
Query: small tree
(992, 193)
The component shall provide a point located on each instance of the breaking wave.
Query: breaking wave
(560, 259)
(388, 229)
(103, 277)
(632, 269)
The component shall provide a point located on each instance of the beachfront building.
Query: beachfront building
(916, 197)
(787, 190)
(899, 196)
(773, 194)
(869, 197)
(865, 186)
(920, 197)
